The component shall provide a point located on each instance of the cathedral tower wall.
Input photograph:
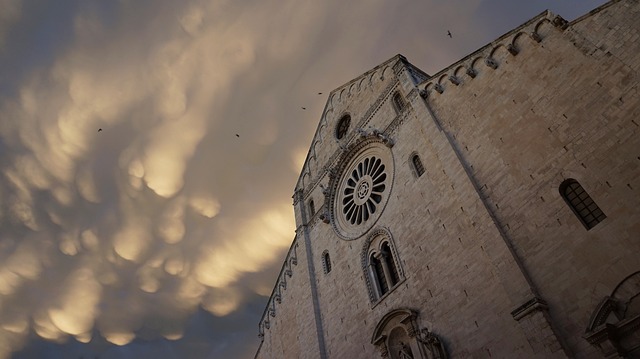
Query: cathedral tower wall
(287, 329)
(566, 107)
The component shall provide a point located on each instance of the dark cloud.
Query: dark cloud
(161, 235)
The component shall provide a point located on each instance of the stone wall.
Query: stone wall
(566, 107)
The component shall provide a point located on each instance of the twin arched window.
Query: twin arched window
(581, 203)
(383, 270)
(381, 266)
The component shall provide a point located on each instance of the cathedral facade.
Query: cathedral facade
(489, 210)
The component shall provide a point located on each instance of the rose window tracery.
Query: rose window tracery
(363, 191)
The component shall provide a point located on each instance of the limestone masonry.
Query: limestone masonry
(491, 210)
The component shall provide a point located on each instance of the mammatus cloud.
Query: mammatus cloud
(10, 13)
(100, 229)
(127, 202)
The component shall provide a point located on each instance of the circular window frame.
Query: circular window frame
(346, 185)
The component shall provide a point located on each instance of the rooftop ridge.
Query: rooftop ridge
(530, 28)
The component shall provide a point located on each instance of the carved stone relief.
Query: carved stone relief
(614, 327)
(397, 336)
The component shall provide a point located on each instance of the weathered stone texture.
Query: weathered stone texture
(494, 261)
(291, 333)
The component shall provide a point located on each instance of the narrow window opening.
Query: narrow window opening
(581, 203)
(326, 262)
(312, 208)
(343, 126)
(398, 102)
(417, 165)
(388, 258)
(379, 277)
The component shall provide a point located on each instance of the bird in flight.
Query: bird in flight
(304, 108)
(319, 93)
(99, 130)
(237, 135)
(449, 33)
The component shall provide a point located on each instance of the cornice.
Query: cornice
(351, 137)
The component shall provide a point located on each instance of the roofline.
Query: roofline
(477, 53)
(393, 60)
(547, 14)
(389, 62)
(594, 11)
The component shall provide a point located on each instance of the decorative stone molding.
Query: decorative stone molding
(432, 344)
(536, 37)
(529, 29)
(373, 109)
(384, 352)
(347, 143)
(491, 63)
(412, 96)
(532, 305)
(281, 284)
(471, 72)
(614, 326)
(374, 239)
(298, 195)
(559, 22)
(345, 91)
(324, 216)
(365, 154)
(398, 336)
(386, 135)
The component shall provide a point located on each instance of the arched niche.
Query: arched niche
(614, 326)
(398, 336)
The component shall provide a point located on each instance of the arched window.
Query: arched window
(377, 271)
(343, 126)
(581, 203)
(312, 208)
(326, 262)
(398, 102)
(380, 264)
(417, 165)
(385, 252)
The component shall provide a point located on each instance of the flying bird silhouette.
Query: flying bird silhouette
(449, 33)
(319, 93)
(304, 108)
(237, 135)
(99, 130)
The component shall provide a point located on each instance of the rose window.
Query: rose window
(363, 191)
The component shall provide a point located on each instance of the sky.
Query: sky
(149, 150)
